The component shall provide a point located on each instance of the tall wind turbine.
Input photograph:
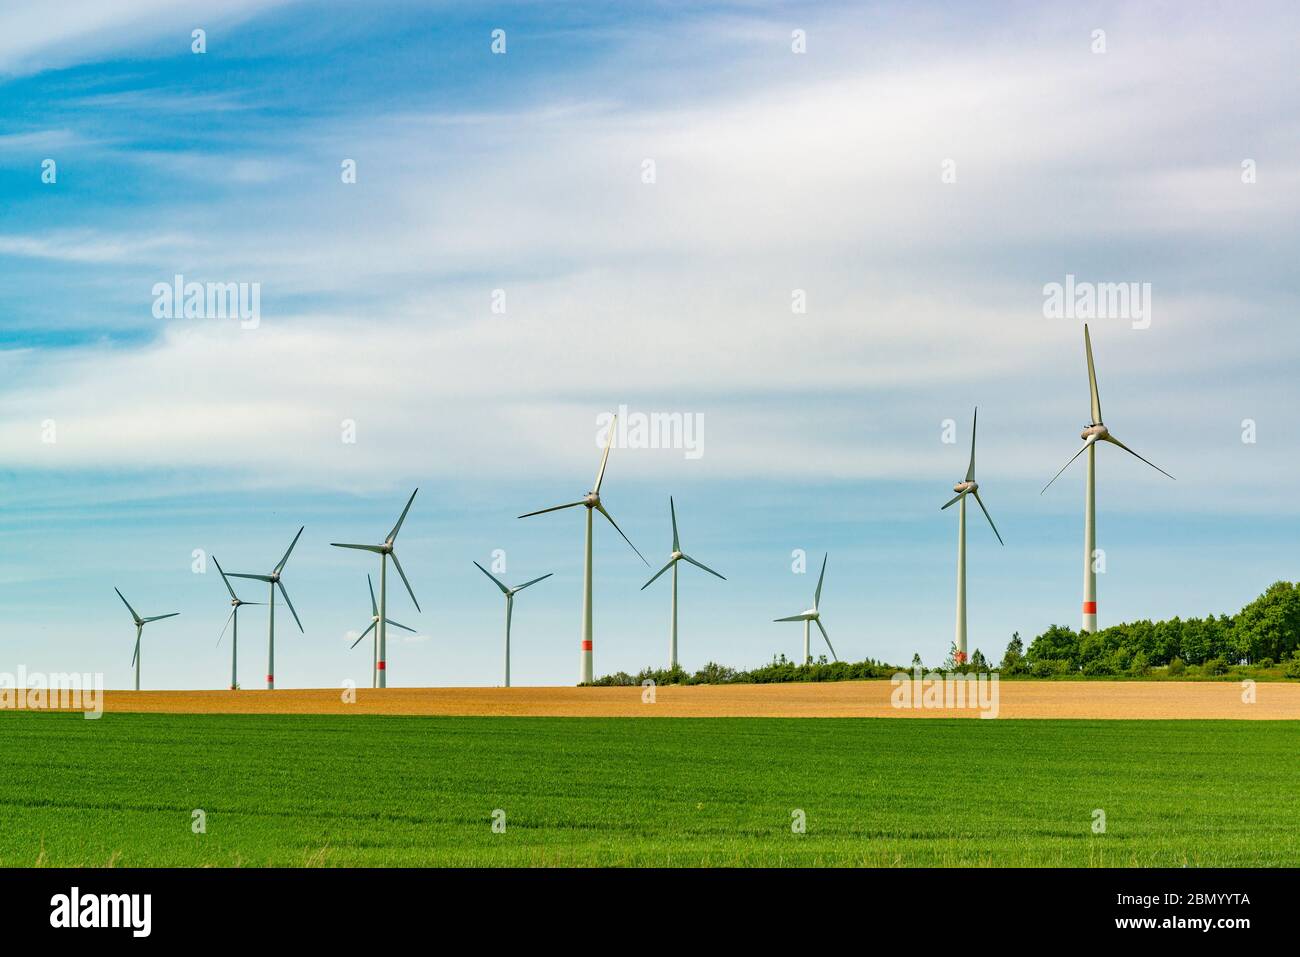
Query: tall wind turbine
(232, 617)
(510, 604)
(813, 615)
(968, 486)
(677, 556)
(139, 627)
(385, 551)
(273, 580)
(592, 501)
(1093, 433)
(374, 621)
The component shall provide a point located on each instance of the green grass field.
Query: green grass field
(309, 790)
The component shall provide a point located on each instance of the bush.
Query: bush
(1177, 666)
(1215, 666)
(1139, 666)
(1292, 669)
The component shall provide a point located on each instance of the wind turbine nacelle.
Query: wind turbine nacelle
(1094, 433)
(675, 556)
(965, 487)
(591, 499)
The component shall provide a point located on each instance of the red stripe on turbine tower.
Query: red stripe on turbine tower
(1090, 608)
(586, 646)
(270, 677)
(381, 666)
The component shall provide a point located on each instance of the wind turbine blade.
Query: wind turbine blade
(1092, 378)
(553, 508)
(822, 629)
(677, 547)
(398, 527)
(374, 609)
(970, 470)
(989, 517)
(225, 626)
(1064, 467)
(224, 578)
(398, 566)
(817, 595)
(609, 518)
(291, 608)
(364, 548)
(534, 581)
(600, 473)
(171, 614)
(364, 633)
(280, 567)
(136, 654)
(951, 501)
(398, 624)
(704, 566)
(657, 574)
(496, 581)
(1115, 441)
(134, 616)
(256, 578)
(791, 618)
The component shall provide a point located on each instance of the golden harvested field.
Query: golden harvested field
(844, 699)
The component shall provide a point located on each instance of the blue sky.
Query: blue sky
(523, 172)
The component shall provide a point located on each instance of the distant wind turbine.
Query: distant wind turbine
(677, 556)
(233, 617)
(385, 551)
(139, 627)
(967, 486)
(1093, 433)
(510, 604)
(813, 614)
(374, 620)
(273, 580)
(592, 501)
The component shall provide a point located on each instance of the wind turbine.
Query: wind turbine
(273, 580)
(385, 551)
(1093, 433)
(233, 617)
(592, 501)
(374, 620)
(510, 604)
(813, 615)
(139, 627)
(677, 556)
(968, 486)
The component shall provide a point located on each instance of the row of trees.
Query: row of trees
(1263, 633)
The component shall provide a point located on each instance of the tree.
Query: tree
(1270, 625)
(1057, 643)
(1013, 658)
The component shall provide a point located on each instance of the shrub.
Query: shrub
(1292, 669)
(1215, 666)
(1177, 666)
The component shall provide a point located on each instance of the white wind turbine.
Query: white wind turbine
(385, 551)
(139, 628)
(273, 580)
(592, 501)
(232, 617)
(510, 604)
(967, 486)
(374, 621)
(1093, 433)
(677, 556)
(813, 614)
